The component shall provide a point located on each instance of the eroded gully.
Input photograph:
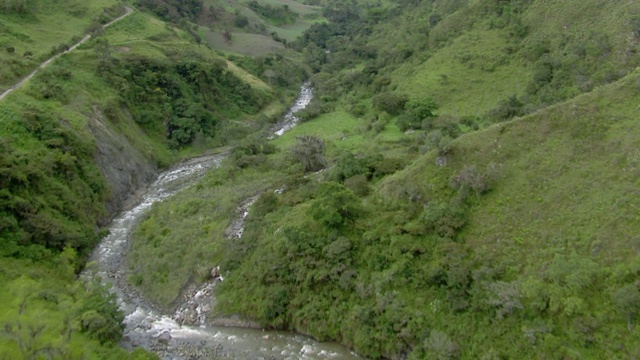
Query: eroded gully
(187, 333)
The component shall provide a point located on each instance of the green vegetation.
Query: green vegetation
(477, 192)
(275, 15)
(463, 184)
(26, 29)
(255, 28)
(45, 314)
(145, 90)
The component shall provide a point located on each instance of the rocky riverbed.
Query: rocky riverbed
(185, 331)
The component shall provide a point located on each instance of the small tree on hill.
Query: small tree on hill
(227, 35)
(627, 300)
(635, 25)
(309, 151)
(417, 112)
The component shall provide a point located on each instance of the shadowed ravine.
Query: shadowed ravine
(168, 334)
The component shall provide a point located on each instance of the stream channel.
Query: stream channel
(187, 333)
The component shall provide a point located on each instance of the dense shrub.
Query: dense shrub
(392, 103)
(309, 151)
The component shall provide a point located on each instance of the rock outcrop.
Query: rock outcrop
(124, 167)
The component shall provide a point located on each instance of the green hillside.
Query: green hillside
(141, 91)
(464, 183)
(479, 198)
(249, 27)
(33, 30)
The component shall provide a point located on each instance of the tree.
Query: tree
(309, 151)
(421, 109)
(227, 35)
(440, 346)
(241, 21)
(390, 102)
(470, 179)
(14, 6)
(504, 297)
(11, 50)
(335, 205)
(417, 112)
(635, 25)
(627, 301)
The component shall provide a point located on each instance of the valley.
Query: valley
(461, 180)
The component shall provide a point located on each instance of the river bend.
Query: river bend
(167, 334)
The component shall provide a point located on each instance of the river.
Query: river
(167, 334)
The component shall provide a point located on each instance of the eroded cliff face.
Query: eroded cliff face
(125, 168)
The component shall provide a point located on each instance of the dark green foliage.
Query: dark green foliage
(348, 165)
(635, 25)
(107, 15)
(266, 203)
(105, 323)
(392, 103)
(358, 184)
(507, 109)
(49, 84)
(252, 153)
(335, 206)
(241, 21)
(627, 301)
(173, 10)
(52, 196)
(189, 93)
(277, 15)
(277, 301)
(442, 219)
(417, 114)
(342, 12)
(14, 6)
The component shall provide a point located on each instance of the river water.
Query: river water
(168, 335)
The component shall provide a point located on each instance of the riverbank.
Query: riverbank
(181, 327)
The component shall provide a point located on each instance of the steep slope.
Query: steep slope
(521, 246)
(84, 134)
(479, 198)
(255, 28)
(27, 36)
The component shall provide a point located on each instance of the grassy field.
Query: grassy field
(255, 39)
(295, 6)
(242, 43)
(338, 127)
(468, 77)
(44, 25)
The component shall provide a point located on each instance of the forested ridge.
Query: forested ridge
(464, 183)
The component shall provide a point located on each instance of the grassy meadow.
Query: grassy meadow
(255, 38)
(28, 37)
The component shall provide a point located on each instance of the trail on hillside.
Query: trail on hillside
(128, 11)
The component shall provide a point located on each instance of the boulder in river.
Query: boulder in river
(164, 338)
(215, 272)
